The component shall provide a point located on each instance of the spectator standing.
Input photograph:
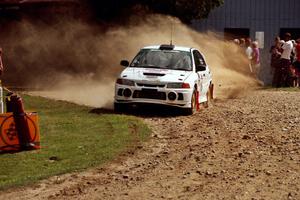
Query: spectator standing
(293, 55)
(236, 41)
(255, 58)
(242, 43)
(297, 62)
(1, 63)
(249, 52)
(275, 59)
(285, 60)
(1, 89)
(236, 48)
(292, 72)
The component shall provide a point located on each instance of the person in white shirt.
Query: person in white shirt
(249, 52)
(282, 75)
(248, 48)
(287, 48)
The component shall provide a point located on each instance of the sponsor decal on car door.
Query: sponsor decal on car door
(203, 74)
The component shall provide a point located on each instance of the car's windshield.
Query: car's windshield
(163, 59)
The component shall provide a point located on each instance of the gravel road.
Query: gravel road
(244, 148)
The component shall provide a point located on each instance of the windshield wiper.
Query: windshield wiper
(148, 66)
(185, 69)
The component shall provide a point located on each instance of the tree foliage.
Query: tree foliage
(186, 10)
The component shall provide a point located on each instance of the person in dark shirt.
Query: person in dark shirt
(282, 72)
(1, 63)
(275, 59)
(296, 64)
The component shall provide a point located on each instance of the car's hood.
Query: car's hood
(155, 75)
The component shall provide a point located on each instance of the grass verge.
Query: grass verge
(77, 138)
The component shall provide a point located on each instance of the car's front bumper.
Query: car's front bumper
(153, 95)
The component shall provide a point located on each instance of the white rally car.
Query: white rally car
(165, 74)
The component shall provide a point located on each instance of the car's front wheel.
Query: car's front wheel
(120, 107)
(193, 108)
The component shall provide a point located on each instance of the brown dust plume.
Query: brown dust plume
(78, 62)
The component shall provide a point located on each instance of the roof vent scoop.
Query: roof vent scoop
(166, 47)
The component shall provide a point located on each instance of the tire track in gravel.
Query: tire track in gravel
(246, 148)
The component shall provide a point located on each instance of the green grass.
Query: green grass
(78, 139)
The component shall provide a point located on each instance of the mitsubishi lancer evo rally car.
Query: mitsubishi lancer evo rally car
(165, 74)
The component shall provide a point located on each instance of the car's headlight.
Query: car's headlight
(178, 85)
(125, 82)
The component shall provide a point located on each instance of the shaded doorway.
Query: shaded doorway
(295, 32)
(236, 33)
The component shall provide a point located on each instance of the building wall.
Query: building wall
(267, 16)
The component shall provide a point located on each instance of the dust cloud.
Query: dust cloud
(77, 62)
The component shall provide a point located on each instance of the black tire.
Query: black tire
(120, 107)
(193, 108)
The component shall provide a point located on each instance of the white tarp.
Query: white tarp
(260, 38)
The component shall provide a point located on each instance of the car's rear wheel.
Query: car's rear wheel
(193, 108)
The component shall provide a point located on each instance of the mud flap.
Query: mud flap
(211, 92)
(197, 101)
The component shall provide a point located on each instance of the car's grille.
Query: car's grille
(153, 74)
(149, 94)
(150, 85)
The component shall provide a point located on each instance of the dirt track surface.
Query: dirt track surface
(247, 148)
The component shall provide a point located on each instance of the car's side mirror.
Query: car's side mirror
(200, 68)
(124, 63)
